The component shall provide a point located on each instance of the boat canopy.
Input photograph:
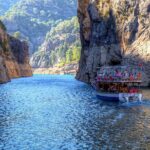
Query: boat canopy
(123, 74)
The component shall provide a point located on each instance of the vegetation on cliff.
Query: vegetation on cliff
(61, 46)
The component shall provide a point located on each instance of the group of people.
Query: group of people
(119, 74)
(117, 88)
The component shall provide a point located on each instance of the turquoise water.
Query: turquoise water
(59, 113)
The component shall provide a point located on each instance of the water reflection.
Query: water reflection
(58, 112)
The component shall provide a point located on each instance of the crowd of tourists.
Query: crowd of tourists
(120, 88)
(119, 74)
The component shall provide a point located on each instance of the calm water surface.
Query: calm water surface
(60, 113)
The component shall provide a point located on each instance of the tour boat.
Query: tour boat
(119, 83)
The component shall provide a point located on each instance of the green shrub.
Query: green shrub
(17, 34)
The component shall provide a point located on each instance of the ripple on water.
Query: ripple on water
(58, 112)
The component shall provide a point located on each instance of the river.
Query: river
(47, 112)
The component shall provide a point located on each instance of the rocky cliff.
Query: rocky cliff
(113, 32)
(14, 57)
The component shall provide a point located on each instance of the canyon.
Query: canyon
(113, 32)
(51, 31)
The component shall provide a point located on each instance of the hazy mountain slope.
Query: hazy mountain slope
(33, 18)
(6, 4)
(61, 46)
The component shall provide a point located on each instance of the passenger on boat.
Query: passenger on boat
(134, 90)
(118, 74)
(112, 88)
(98, 78)
(124, 89)
(126, 75)
(139, 76)
(131, 77)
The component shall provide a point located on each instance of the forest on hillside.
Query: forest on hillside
(61, 46)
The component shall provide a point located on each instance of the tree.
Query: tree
(76, 54)
(53, 57)
(68, 56)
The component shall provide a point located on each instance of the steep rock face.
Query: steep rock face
(113, 32)
(19, 65)
(4, 76)
(14, 58)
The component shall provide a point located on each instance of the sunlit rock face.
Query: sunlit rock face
(113, 32)
(4, 77)
(14, 58)
(20, 51)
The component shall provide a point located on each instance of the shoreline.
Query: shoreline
(67, 69)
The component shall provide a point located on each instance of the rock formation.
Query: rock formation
(14, 57)
(113, 32)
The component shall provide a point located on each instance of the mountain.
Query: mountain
(114, 32)
(5, 5)
(32, 19)
(14, 57)
(61, 46)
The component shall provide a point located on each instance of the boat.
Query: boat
(119, 83)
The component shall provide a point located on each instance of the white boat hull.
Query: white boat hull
(122, 97)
